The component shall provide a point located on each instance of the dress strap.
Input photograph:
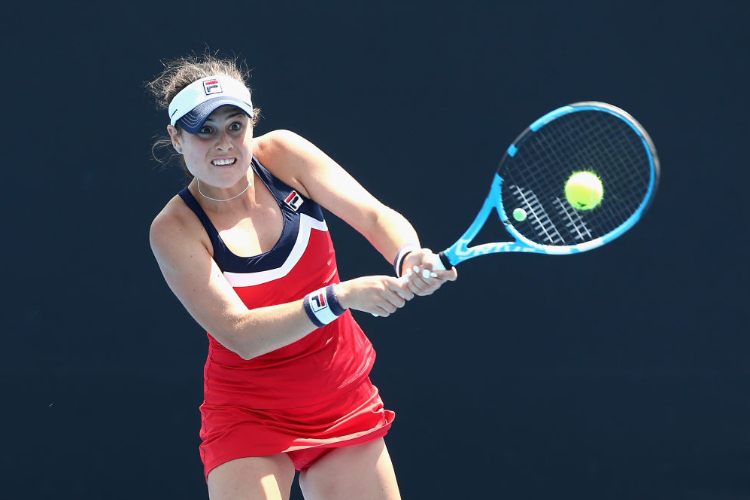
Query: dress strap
(213, 234)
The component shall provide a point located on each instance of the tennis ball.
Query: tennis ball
(584, 190)
(519, 214)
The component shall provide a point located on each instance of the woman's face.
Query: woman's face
(219, 154)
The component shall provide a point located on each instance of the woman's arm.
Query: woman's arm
(302, 165)
(199, 284)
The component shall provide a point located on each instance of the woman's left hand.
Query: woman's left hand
(418, 272)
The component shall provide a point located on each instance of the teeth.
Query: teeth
(223, 162)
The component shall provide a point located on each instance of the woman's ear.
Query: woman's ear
(174, 135)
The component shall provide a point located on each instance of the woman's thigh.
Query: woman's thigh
(362, 471)
(254, 478)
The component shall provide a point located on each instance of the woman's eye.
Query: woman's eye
(205, 130)
(235, 126)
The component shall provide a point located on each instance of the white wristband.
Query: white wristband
(322, 306)
(401, 255)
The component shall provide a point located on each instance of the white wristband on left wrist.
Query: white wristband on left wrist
(322, 306)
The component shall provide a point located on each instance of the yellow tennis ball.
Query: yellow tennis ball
(519, 214)
(584, 190)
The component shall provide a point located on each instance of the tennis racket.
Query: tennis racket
(528, 189)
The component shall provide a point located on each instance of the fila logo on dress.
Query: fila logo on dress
(294, 200)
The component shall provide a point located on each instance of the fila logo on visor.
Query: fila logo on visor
(212, 87)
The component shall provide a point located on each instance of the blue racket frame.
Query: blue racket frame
(460, 251)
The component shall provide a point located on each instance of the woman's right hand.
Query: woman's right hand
(377, 295)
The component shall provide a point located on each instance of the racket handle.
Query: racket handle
(441, 262)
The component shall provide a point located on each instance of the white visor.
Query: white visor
(192, 105)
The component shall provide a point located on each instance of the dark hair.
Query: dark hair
(178, 74)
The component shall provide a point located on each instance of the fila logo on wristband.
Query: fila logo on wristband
(322, 307)
(318, 302)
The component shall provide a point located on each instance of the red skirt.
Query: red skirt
(352, 416)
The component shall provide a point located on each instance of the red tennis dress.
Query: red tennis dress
(309, 396)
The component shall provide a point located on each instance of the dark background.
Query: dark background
(621, 373)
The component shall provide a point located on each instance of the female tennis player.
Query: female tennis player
(246, 250)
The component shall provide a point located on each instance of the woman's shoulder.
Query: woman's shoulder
(174, 221)
(279, 140)
(282, 152)
(280, 147)
(174, 211)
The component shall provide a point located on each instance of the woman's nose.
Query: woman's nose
(222, 142)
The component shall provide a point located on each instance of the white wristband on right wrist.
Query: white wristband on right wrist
(401, 255)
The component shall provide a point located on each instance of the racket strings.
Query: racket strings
(594, 141)
(540, 220)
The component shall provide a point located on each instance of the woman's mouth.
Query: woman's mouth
(223, 162)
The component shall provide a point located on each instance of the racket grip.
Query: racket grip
(441, 262)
